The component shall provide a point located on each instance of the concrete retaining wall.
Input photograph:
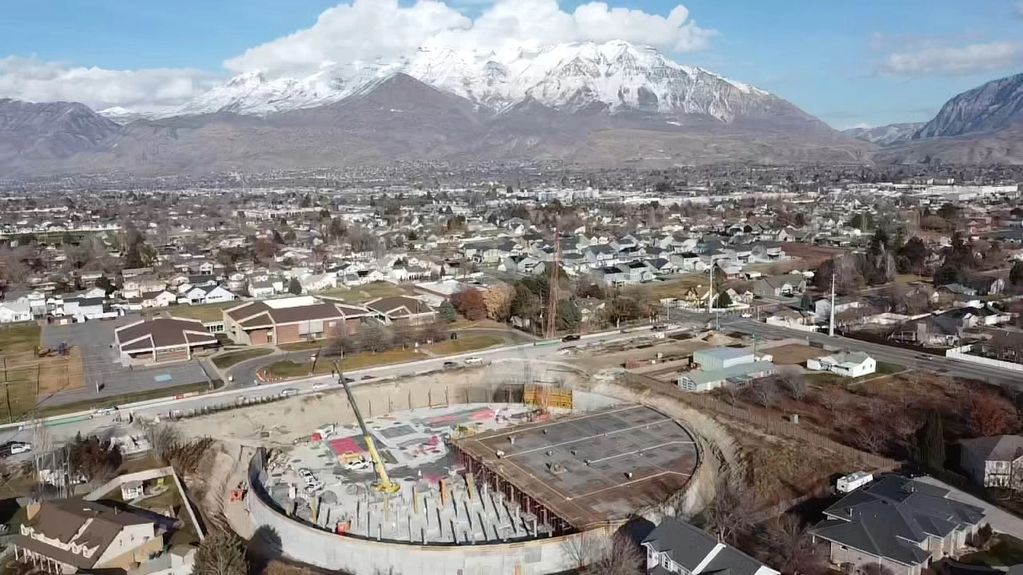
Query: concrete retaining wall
(324, 549)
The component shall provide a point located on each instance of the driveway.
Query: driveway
(1000, 520)
(95, 339)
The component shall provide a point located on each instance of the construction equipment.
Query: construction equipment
(383, 483)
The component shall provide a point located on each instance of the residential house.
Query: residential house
(897, 523)
(995, 461)
(675, 546)
(73, 535)
(403, 310)
(784, 285)
(162, 340)
(290, 320)
(792, 319)
(85, 308)
(930, 331)
(208, 294)
(13, 311)
(854, 364)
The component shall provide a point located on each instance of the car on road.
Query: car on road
(365, 377)
(319, 386)
(473, 361)
(450, 365)
(658, 327)
(104, 411)
(289, 392)
(746, 314)
(571, 337)
(14, 448)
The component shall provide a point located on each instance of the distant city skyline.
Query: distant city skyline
(850, 64)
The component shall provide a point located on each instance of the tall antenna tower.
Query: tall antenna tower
(551, 329)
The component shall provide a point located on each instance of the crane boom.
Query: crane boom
(384, 483)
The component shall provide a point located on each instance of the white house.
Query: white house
(208, 294)
(15, 311)
(854, 364)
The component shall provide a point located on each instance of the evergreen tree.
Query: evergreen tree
(295, 287)
(447, 312)
(932, 442)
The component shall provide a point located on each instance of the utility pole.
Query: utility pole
(710, 293)
(831, 324)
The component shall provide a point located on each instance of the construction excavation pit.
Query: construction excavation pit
(485, 487)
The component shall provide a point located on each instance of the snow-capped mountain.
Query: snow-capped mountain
(614, 75)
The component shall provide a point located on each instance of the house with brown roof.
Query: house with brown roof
(162, 340)
(290, 320)
(72, 536)
(403, 310)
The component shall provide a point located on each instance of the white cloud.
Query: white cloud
(943, 60)
(37, 81)
(370, 30)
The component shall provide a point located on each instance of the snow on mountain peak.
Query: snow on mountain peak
(615, 74)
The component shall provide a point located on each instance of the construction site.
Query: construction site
(499, 478)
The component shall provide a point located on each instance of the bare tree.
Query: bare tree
(794, 383)
(604, 554)
(730, 515)
(871, 438)
(791, 548)
(764, 392)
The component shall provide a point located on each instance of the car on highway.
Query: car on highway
(473, 361)
(571, 337)
(746, 314)
(289, 392)
(450, 365)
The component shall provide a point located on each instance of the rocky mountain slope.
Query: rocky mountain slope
(885, 135)
(980, 126)
(605, 104)
(50, 131)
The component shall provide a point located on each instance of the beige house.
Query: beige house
(995, 461)
(290, 320)
(73, 536)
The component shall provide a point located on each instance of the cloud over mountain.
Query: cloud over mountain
(384, 30)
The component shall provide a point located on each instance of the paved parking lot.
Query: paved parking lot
(103, 376)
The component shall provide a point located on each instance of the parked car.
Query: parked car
(571, 337)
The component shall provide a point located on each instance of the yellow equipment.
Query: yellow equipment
(383, 484)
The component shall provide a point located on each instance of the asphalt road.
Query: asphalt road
(57, 433)
(911, 359)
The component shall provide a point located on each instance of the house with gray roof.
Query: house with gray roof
(995, 461)
(677, 547)
(162, 340)
(897, 523)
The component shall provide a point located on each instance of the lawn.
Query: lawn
(674, 288)
(303, 345)
(1005, 551)
(232, 358)
(883, 369)
(19, 338)
(464, 344)
(364, 293)
(205, 313)
(290, 369)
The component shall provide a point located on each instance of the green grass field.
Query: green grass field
(232, 358)
(204, 313)
(464, 344)
(290, 369)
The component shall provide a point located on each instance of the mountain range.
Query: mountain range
(589, 104)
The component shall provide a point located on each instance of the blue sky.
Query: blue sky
(849, 63)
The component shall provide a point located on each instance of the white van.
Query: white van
(473, 361)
